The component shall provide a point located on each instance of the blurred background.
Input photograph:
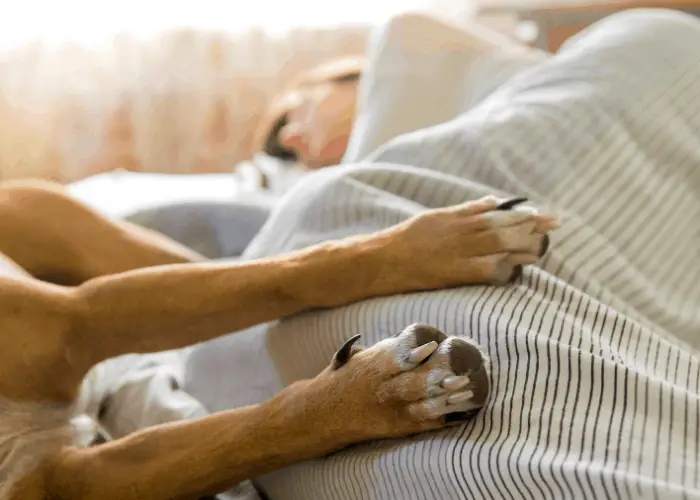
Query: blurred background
(88, 87)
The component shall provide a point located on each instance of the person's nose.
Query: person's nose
(292, 137)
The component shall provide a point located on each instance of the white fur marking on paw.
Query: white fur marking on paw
(520, 238)
(506, 218)
(435, 383)
(460, 397)
(455, 383)
(526, 209)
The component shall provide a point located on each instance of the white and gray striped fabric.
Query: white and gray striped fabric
(596, 372)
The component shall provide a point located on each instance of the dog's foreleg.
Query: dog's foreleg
(417, 380)
(170, 307)
(194, 458)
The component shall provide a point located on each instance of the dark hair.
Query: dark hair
(349, 77)
(273, 147)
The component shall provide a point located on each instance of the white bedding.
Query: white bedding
(596, 375)
(215, 214)
(121, 193)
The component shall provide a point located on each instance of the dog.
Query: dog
(95, 289)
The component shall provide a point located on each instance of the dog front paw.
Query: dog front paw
(419, 380)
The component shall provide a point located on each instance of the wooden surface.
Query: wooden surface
(548, 7)
(556, 22)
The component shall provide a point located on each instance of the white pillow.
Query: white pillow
(422, 72)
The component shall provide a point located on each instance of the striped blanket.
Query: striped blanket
(596, 369)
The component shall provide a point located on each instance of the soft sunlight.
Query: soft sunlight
(87, 21)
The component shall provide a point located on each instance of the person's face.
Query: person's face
(319, 127)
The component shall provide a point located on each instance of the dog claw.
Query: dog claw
(343, 355)
(460, 397)
(545, 245)
(436, 378)
(517, 273)
(459, 417)
(508, 204)
(420, 354)
(455, 383)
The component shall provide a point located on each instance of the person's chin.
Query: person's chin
(330, 156)
(318, 164)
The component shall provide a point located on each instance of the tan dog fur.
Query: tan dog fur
(112, 301)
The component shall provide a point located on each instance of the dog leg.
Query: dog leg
(388, 390)
(57, 239)
(66, 331)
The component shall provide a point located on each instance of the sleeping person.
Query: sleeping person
(338, 113)
(310, 122)
(306, 128)
(313, 123)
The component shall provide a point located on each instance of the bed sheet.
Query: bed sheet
(596, 366)
(121, 193)
(216, 215)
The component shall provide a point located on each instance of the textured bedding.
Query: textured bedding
(596, 375)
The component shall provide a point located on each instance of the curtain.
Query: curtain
(87, 87)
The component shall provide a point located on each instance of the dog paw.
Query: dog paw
(421, 379)
(487, 241)
(451, 382)
(512, 211)
(517, 204)
(470, 365)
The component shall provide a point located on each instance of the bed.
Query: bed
(596, 364)
(596, 373)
